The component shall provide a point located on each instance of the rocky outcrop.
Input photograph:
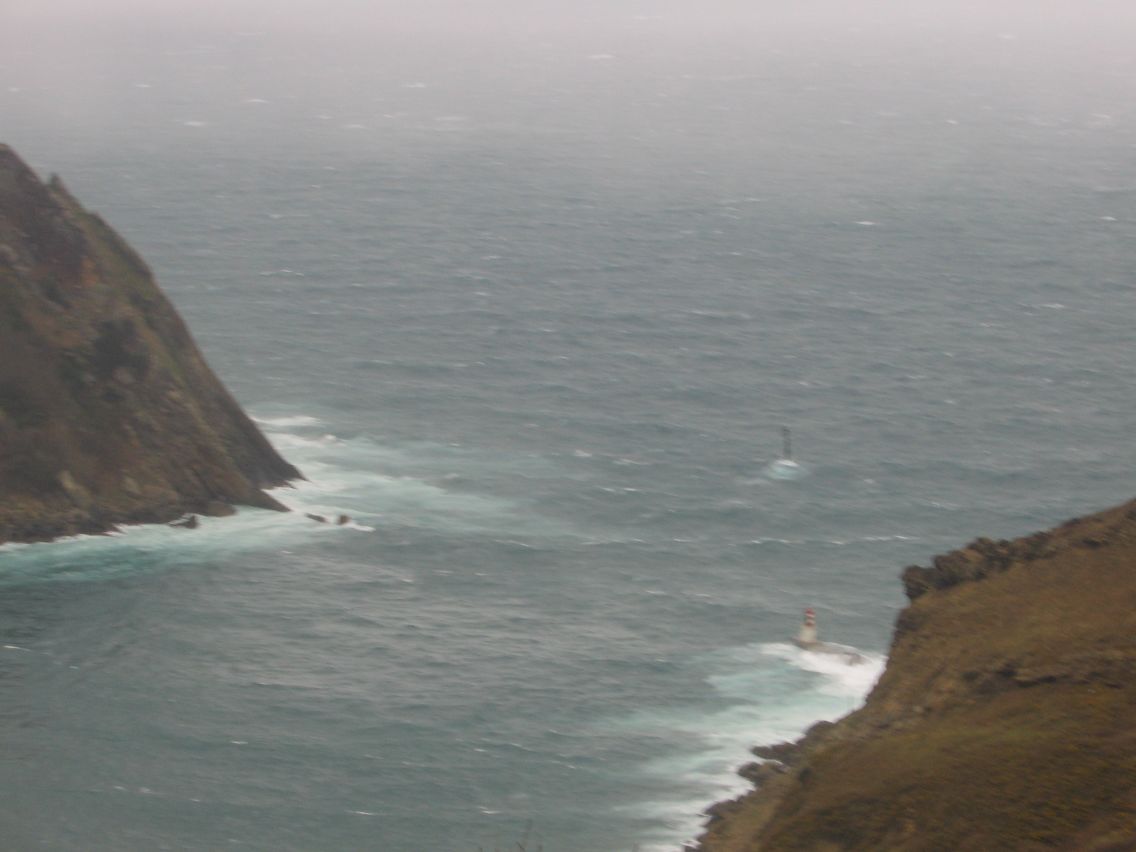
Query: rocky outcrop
(979, 559)
(1003, 721)
(108, 412)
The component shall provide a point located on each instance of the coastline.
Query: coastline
(984, 731)
(109, 413)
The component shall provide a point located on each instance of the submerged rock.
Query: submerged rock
(108, 412)
(342, 520)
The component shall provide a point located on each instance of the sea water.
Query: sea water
(533, 319)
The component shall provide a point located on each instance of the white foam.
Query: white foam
(150, 547)
(851, 674)
(288, 421)
(283, 273)
(364, 479)
(288, 441)
(769, 705)
(785, 470)
(343, 477)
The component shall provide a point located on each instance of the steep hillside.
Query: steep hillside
(108, 412)
(1006, 717)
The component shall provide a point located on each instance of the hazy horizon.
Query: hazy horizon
(68, 65)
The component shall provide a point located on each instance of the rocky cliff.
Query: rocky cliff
(108, 412)
(1005, 720)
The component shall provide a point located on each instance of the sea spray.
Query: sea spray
(770, 692)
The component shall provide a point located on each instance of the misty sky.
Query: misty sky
(472, 16)
(69, 67)
(35, 34)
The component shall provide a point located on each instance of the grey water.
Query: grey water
(531, 305)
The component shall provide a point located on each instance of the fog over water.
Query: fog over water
(281, 44)
(624, 79)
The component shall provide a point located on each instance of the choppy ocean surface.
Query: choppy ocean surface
(536, 329)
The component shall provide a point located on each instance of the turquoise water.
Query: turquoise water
(535, 322)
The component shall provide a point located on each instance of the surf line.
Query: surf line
(808, 640)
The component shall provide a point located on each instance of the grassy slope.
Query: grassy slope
(1006, 718)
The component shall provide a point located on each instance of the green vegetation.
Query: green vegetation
(1006, 719)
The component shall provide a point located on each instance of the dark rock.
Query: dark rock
(1019, 688)
(783, 752)
(916, 581)
(759, 773)
(188, 523)
(344, 519)
(108, 412)
(752, 772)
(1037, 546)
(981, 558)
(219, 509)
(320, 518)
(818, 731)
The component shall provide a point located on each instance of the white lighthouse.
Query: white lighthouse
(807, 639)
(807, 635)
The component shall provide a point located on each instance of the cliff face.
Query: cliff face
(108, 412)
(1005, 720)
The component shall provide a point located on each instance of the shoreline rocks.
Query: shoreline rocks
(1002, 721)
(109, 414)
